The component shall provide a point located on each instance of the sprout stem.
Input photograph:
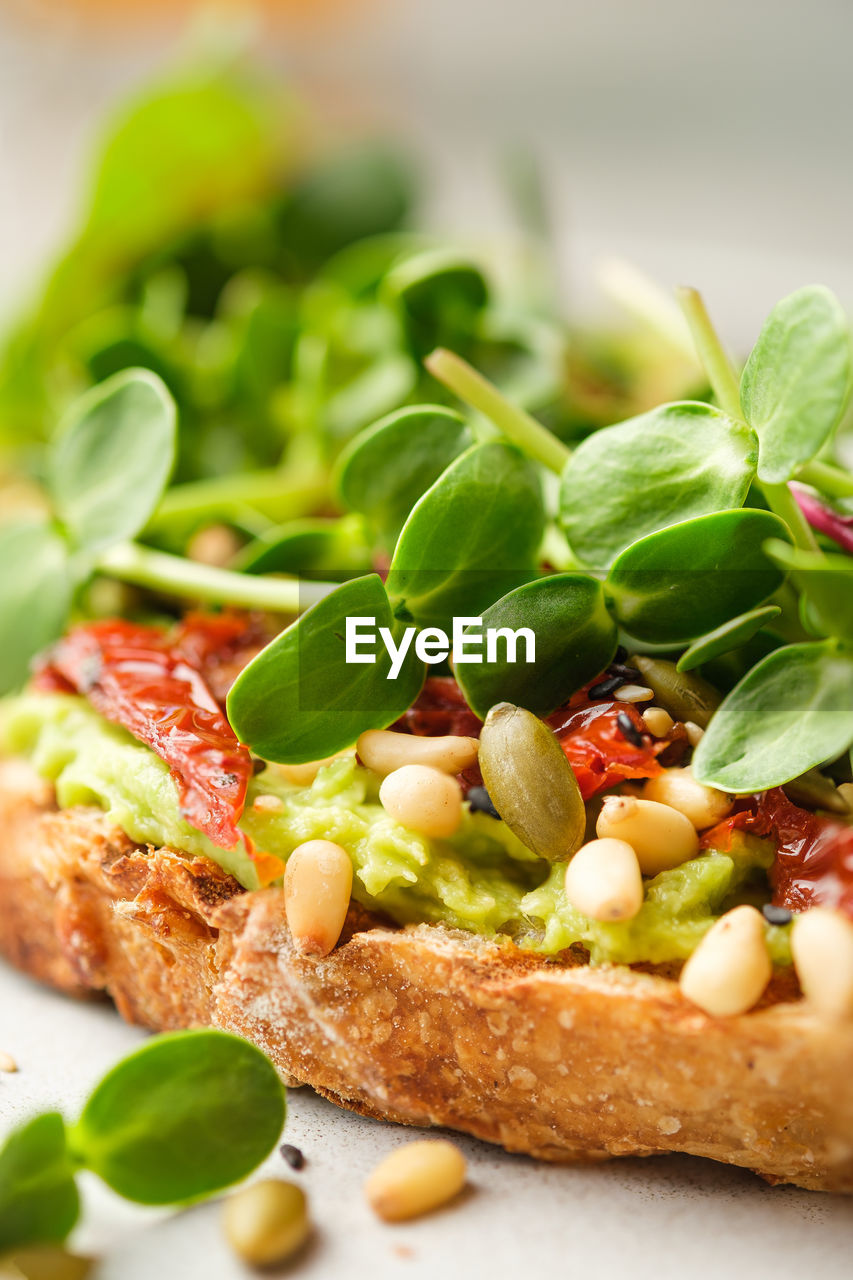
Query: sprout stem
(173, 575)
(715, 361)
(274, 492)
(830, 479)
(477, 392)
(724, 383)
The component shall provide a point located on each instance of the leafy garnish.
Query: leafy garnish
(180, 1119)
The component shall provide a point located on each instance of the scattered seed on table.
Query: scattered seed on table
(7, 1063)
(293, 1156)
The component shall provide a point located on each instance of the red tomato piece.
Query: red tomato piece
(814, 854)
(151, 684)
(596, 747)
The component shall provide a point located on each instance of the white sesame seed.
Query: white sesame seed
(634, 693)
(268, 804)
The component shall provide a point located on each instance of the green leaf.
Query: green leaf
(673, 464)
(386, 469)
(472, 537)
(111, 463)
(363, 190)
(731, 635)
(383, 384)
(38, 1196)
(797, 380)
(575, 639)
(185, 1116)
(299, 699)
(790, 713)
(440, 295)
(35, 596)
(310, 549)
(826, 581)
(691, 578)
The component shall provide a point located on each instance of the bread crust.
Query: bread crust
(425, 1025)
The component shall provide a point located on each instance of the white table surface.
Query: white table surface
(669, 1218)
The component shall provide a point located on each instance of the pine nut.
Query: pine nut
(603, 880)
(317, 888)
(423, 799)
(822, 947)
(660, 836)
(695, 733)
(728, 971)
(845, 790)
(416, 1179)
(658, 721)
(383, 751)
(633, 693)
(45, 1262)
(7, 1063)
(266, 1222)
(704, 806)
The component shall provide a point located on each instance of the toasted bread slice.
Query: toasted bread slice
(425, 1025)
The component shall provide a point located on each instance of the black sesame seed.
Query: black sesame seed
(480, 801)
(293, 1156)
(628, 729)
(601, 691)
(627, 673)
(776, 915)
(621, 654)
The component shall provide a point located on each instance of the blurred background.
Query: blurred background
(707, 143)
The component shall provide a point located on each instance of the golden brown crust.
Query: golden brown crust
(424, 1025)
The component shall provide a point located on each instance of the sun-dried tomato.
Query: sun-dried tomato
(596, 747)
(814, 854)
(153, 683)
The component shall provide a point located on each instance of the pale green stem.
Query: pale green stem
(173, 575)
(274, 492)
(518, 427)
(724, 383)
(717, 365)
(782, 503)
(830, 479)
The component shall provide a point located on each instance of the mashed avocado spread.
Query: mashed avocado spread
(482, 879)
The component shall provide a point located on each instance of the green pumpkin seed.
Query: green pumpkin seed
(531, 783)
(683, 694)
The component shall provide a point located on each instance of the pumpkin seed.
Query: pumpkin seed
(531, 783)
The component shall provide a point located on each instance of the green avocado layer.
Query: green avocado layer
(482, 880)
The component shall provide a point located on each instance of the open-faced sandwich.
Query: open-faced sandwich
(541, 830)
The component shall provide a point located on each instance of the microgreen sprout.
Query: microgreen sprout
(178, 1120)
